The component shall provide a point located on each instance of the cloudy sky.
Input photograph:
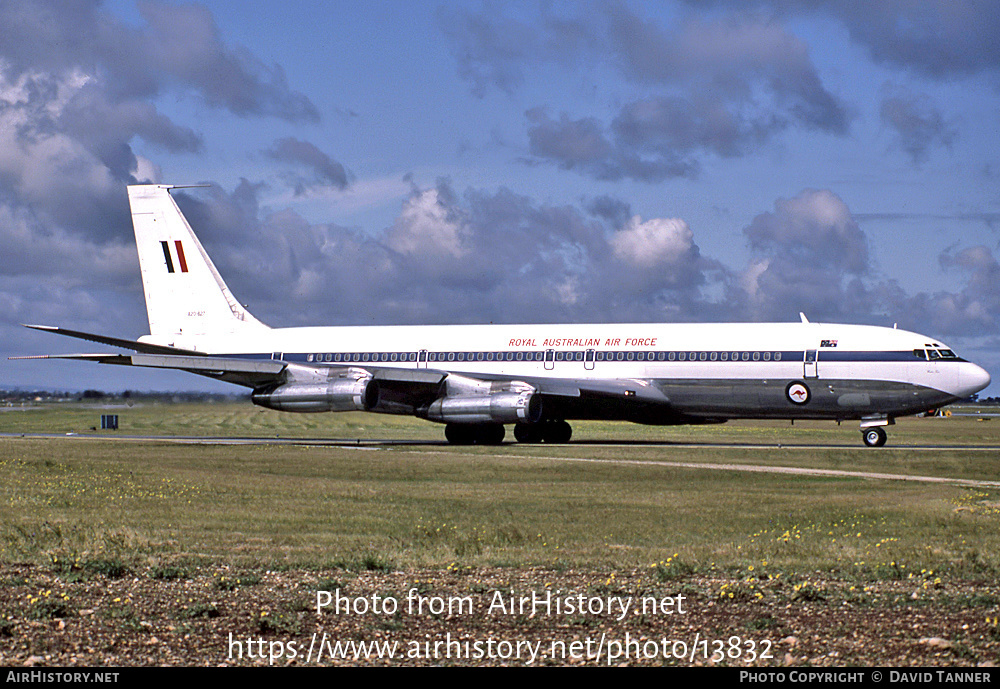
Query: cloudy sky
(466, 162)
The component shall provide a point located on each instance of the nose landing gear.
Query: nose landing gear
(874, 437)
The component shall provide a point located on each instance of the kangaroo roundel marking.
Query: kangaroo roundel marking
(797, 393)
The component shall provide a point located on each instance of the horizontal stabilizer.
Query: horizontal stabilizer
(249, 373)
(121, 359)
(114, 341)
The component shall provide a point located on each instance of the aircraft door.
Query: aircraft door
(550, 359)
(422, 358)
(810, 364)
(588, 360)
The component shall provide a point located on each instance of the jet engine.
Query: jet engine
(499, 407)
(336, 395)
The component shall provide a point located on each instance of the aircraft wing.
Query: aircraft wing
(637, 390)
(400, 390)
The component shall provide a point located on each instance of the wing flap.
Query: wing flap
(248, 372)
(403, 390)
(416, 376)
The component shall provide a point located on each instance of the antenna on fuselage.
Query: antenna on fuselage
(803, 317)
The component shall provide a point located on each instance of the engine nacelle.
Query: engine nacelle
(335, 395)
(500, 407)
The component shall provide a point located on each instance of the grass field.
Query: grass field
(143, 502)
(160, 551)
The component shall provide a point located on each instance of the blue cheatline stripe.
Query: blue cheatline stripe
(609, 357)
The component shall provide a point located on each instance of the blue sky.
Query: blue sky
(463, 162)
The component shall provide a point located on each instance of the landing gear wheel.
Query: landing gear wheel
(528, 432)
(874, 437)
(474, 434)
(557, 432)
(490, 434)
(458, 433)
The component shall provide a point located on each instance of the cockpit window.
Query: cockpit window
(933, 353)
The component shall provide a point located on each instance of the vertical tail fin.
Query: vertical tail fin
(185, 295)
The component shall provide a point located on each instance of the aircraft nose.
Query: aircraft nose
(972, 379)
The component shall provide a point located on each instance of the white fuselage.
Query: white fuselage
(724, 370)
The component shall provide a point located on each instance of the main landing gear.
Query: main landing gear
(474, 433)
(550, 431)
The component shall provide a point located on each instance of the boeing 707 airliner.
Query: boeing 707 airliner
(477, 379)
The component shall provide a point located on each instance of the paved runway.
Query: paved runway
(395, 442)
